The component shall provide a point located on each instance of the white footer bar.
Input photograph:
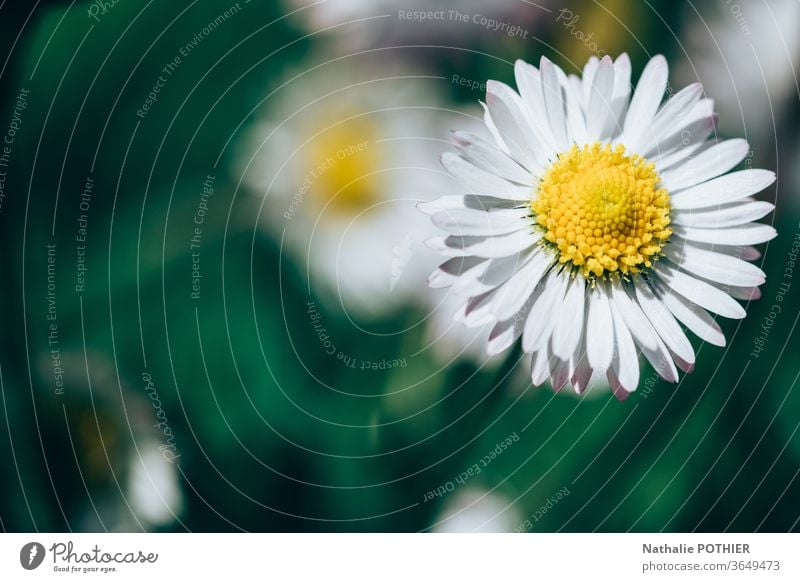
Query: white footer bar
(421, 557)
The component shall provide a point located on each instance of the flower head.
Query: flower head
(595, 222)
(340, 154)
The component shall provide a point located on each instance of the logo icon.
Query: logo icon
(31, 555)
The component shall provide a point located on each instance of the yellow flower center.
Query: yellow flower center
(603, 211)
(344, 166)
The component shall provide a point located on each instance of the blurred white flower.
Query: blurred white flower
(394, 22)
(153, 490)
(746, 53)
(342, 152)
(477, 511)
(116, 431)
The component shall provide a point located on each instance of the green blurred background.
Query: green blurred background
(147, 410)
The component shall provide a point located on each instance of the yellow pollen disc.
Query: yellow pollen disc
(603, 211)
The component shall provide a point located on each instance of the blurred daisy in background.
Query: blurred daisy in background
(749, 52)
(399, 22)
(153, 486)
(595, 222)
(118, 435)
(477, 511)
(341, 154)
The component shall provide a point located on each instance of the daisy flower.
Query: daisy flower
(339, 155)
(595, 222)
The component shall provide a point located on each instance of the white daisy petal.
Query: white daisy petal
(529, 84)
(701, 110)
(742, 293)
(500, 270)
(600, 114)
(554, 103)
(512, 296)
(699, 322)
(501, 338)
(439, 244)
(625, 360)
(469, 283)
(731, 214)
(701, 128)
(487, 247)
(568, 330)
(669, 160)
(634, 317)
(506, 109)
(503, 301)
(622, 91)
(450, 270)
(559, 373)
(540, 366)
(576, 129)
(599, 331)
(540, 322)
(646, 98)
(683, 365)
(746, 253)
(708, 164)
(489, 122)
(580, 371)
(482, 154)
(644, 334)
(494, 273)
(715, 266)
(589, 71)
(582, 375)
(700, 293)
(664, 323)
(469, 202)
(694, 136)
(727, 188)
(467, 222)
(662, 360)
(505, 333)
(746, 234)
(477, 310)
(501, 246)
(616, 386)
(483, 183)
(675, 114)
